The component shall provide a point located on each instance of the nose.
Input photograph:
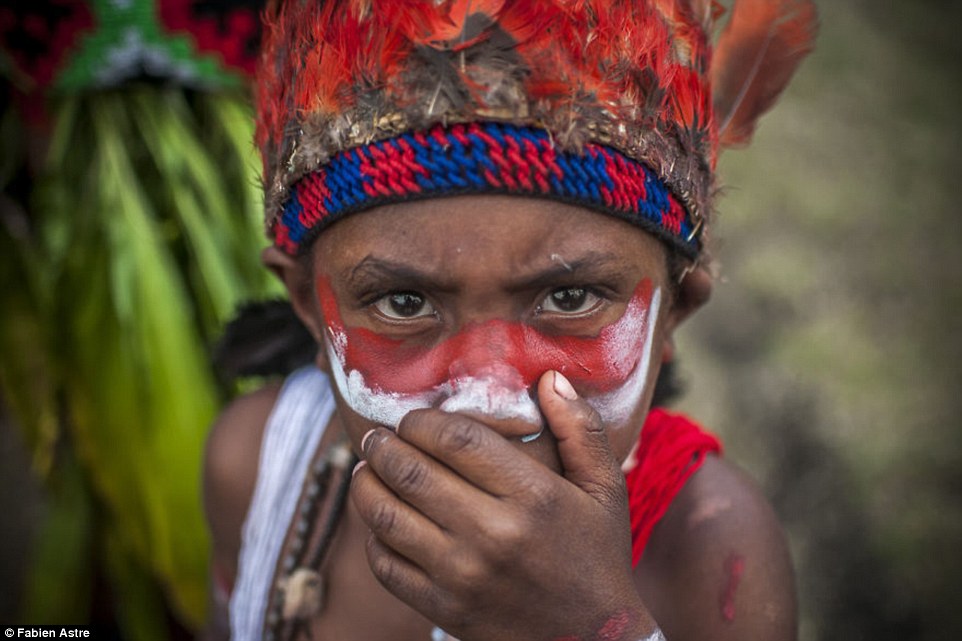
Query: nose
(486, 381)
(492, 348)
(495, 399)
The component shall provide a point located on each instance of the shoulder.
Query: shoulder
(717, 565)
(230, 471)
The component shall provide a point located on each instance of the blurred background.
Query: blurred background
(829, 359)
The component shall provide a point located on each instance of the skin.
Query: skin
(454, 520)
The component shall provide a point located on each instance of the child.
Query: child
(491, 217)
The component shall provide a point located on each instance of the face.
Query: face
(463, 303)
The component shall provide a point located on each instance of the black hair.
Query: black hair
(265, 339)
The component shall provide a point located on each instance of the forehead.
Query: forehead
(486, 233)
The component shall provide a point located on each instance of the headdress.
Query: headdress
(59, 47)
(604, 103)
(152, 185)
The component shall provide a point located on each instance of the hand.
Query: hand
(489, 543)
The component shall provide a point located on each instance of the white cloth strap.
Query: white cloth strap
(291, 436)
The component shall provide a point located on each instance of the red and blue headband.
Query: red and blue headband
(482, 158)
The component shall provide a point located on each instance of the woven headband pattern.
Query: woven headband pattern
(481, 158)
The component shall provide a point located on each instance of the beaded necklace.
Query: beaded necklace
(297, 596)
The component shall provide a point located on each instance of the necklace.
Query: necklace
(298, 595)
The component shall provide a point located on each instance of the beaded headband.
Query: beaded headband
(481, 158)
(614, 105)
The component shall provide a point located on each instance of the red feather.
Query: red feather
(629, 73)
(445, 28)
(757, 54)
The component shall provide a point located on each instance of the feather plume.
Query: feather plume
(757, 54)
(631, 74)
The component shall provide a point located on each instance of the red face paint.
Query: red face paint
(515, 353)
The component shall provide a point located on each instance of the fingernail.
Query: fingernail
(563, 388)
(366, 439)
(357, 467)
(530, 438)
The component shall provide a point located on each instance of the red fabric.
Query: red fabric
(671, 448)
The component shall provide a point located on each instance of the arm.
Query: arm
(717, 565)
(230, 473)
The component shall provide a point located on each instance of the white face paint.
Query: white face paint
(616, 407)
(487, 396)
(486, 392)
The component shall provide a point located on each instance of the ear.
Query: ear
(297, 279)
(693, 291)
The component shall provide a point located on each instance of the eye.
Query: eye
(404, 305)
(570, 300)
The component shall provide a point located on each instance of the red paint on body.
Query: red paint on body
(614, 628)
(734, 569)
(513, 352)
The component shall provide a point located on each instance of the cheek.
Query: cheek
(620, 404)
(490, 366)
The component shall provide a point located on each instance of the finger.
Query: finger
(403, 578)
(473, 450)
(583, 447)
(423, 482)
(395, 523)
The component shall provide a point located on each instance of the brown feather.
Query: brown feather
(757, 54)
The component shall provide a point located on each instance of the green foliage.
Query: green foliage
(143, 236)
(59, 588)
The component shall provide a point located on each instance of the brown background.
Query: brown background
(830, 358)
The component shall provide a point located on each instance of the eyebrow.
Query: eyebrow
(371, 267)
(593, 264)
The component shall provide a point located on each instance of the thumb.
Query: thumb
(586, 457)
